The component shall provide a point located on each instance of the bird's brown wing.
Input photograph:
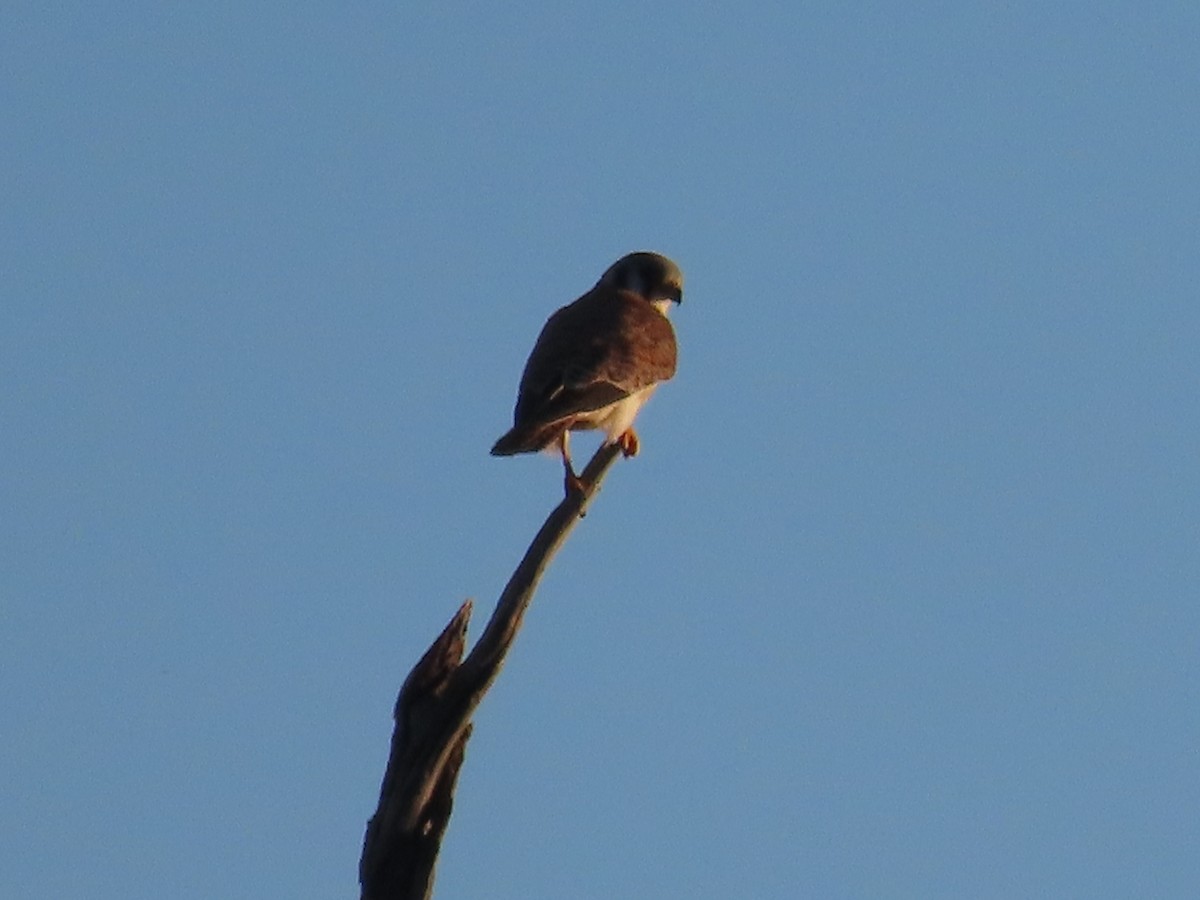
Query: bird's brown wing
(600, 349)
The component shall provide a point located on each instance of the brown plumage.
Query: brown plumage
(598, 359)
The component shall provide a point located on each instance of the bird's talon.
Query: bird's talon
(575, 485)
(628, 442)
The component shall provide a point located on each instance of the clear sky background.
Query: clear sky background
(901, 597)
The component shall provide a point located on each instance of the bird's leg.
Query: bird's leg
(628, 442)
(571, 482)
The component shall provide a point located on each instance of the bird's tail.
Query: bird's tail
(525, 440)
(515, 441)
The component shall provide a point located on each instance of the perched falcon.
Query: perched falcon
(597, 361)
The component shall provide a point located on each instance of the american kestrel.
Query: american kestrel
(597, 361)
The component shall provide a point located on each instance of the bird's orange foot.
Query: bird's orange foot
(628, 442)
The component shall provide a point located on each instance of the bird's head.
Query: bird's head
(649, 275)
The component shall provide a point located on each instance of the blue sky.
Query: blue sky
(900, 599)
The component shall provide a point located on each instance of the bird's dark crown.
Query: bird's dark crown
(649, 275)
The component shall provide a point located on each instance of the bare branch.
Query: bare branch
(433, 713)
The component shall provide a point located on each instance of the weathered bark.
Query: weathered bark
(433, 713)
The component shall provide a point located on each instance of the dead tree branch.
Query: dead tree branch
(433, 717)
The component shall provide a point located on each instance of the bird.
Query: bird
(597, 361)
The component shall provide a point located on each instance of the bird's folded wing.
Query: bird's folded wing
(596, 351)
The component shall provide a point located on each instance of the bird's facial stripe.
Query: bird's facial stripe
(633, 281)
